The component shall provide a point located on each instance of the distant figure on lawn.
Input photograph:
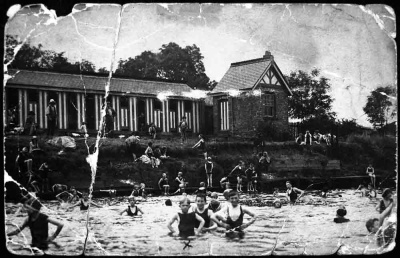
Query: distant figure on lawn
(132, 144)
(236, 176)
(24, 167)
(308, 138)
(163, 184)
(110, 114)
(33, 144)
(152, 131)
(181, 183)
(30, 125)
(317, 137)
(183, 126)
(208, 166)
(371, 173)
(51, 113)
(300, 139)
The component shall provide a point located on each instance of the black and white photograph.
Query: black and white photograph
(186, 129)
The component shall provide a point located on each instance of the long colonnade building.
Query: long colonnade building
(80, 98)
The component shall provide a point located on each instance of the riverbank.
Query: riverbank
(116, 169)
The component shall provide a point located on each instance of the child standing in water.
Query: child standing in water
(84, 203)
(206, 213)
(291, 193)
(186, 220)
(38, 224)
(132, 209)
(231, 216)
(386, 200)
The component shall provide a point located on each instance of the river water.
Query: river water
(303, 229)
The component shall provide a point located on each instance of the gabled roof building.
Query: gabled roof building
(251, 92)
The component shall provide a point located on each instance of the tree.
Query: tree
(378, 106)
(172, 63)
(310, 95)
(35, 58)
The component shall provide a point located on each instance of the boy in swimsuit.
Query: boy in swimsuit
(340, 213)
(84, 203)
(206, 213)
(386, 200)
(291, 193)
(202, 189)
(38, 224)
(370, 171)
(186, 220)
(181, 183)
(235, 213)
(132, 209)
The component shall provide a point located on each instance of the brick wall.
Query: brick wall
(246, 110)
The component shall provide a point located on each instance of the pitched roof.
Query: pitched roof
(96, 83)
(245, 75)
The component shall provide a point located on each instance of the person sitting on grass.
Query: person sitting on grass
(181, 183)
(38, 224)
(200, 209)
(186, 220)
(72, 195)
(132, 209)
(142, 190)
(33, 144)
(84, 203)
(164, 153)
(150, 154)
(340, 213)
(163, 183)
(202, 189)
(231, 216)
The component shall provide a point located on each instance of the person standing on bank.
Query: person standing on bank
(371, 173)
(110, 114)
(208, 166)
(308, 138)
(201, 144)
(51, 114)
(183, 125)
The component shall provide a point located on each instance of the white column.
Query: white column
(83, 107)
(164, 114)
(227, 115)
(113, 106)
(25, 98)
(119, 115)
(41, 113)
(198, 115)
(194, 117)
(183, 108)
(167, 115)
(45, 100)
(65, 110)
(151, 105)
(179, 111)
(59, 110)
(96, 111)
(147, 111)
(20, 107)
(131, 121)
(78, 107)
(135, 115)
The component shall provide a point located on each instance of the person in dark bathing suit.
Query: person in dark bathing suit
(235, 214)
(84, 202)
(186, 220)
(132, 209)
(201, 144)
(203, 212)
(386, 200)
(291, 193)
(38, 224)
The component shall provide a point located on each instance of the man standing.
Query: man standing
(110, 114)
(371, 174)
(183, 125)
(51, 113)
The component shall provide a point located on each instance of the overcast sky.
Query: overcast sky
(352, 45)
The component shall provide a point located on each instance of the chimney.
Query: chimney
(268, 55)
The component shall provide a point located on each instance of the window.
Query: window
(269, 102)
(224, 115)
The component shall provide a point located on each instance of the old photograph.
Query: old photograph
(183, 129)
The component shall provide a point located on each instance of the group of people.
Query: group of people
(316, 138)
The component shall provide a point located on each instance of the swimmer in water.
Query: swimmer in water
(385, 226)
(200, 209)
(214, 204)
(84, 203)
(340, 213)
(132, 209)
(39, 225)
(186, 220)
(386, 200)
(234, 214)
(291, 193)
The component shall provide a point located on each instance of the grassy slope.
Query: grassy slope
(116, 164)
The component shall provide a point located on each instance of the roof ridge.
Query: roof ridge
(94, 76)
(250, 61)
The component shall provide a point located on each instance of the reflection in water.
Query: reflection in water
(290, 230)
